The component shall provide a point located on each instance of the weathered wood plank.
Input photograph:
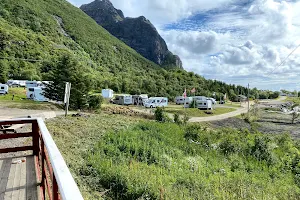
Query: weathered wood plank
(31, 184)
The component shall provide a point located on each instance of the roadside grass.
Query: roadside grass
(195, 112)
(75, 136)
(166, 161)
(121, 157)
(19, 101)
(296, 100)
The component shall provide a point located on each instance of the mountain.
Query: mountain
(138, 33)
(36, 35)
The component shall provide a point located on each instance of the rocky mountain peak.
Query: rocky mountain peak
(138, 33)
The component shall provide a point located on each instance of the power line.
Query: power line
(283, 60)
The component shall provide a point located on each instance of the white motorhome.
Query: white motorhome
(3, 89)
(180, 100)
(107, 93)
(123, 100)
(204, 104)
(140, 99)
(154, 102)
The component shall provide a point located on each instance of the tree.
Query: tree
(68, 69)
(3, 71)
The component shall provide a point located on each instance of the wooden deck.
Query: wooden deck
(18, 181)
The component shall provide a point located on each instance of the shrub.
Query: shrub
(159, 114)
(261, 150)
(192, 132)
(95, 102)
(177, 119)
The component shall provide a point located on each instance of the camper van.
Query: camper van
(32, 84)
(204, 104)
(107, 93)
(154, 102)
(3, 89)
(123, 100)
(140, 99)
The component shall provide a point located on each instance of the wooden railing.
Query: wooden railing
(53, 175)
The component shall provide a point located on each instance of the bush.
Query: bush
(177, 119)
(192, 132)
(95, 102)
(159, 114)
(261, 150)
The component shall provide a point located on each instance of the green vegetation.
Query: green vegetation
(135, 159)
(16, 98)
(195, 112)
(75, 136)
(32, 39)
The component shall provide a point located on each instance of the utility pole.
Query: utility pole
(248, 99)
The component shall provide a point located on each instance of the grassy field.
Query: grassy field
(19, 101)
(121, 157)
(194, 112)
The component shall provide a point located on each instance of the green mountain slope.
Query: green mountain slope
(35, 33)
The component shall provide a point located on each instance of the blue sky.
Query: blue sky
(236, 41)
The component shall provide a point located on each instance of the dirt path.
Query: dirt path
(7, 113)
(220, 117)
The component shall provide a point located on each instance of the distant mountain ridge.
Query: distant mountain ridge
(138, 33)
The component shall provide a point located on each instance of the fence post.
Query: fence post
(35, 138)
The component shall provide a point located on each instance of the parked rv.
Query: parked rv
(107, 93)
(212, 100)
(188, 102)
(204, 104)
(3, 89)
(180, 100)
(123, 100)
(154, 102)
(200, 98)
(36, 94)
(140, 99)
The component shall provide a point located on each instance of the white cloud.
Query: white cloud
(233, 40)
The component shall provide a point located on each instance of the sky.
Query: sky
(235, 41)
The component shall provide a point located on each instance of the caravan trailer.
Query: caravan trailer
(180, 100)
(188, 102)
(154, 102)
(38, 94)
(140, 99)
(204, 104)
(3, 89)
(123, 100)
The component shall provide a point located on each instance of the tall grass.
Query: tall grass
(167, 161)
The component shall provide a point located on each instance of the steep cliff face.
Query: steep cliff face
(138, 33)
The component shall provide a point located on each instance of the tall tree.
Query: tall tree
(68, 69)
(3, 71)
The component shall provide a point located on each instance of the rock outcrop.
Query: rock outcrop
(138, 33)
